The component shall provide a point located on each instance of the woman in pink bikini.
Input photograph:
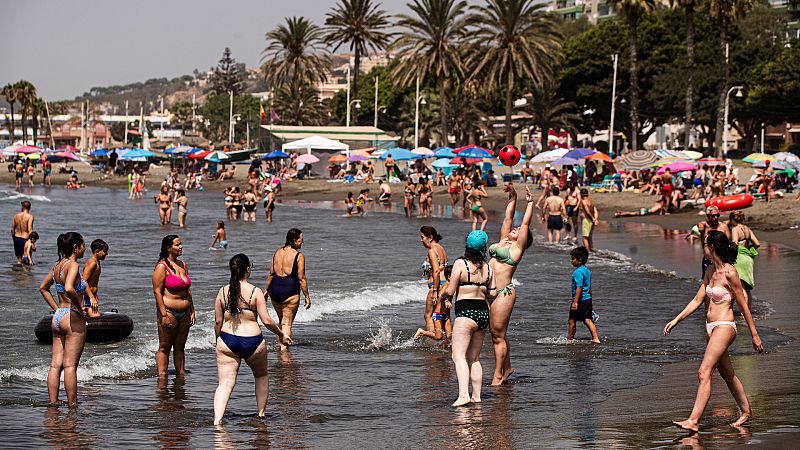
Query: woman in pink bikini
(174, 305)
(721, 285)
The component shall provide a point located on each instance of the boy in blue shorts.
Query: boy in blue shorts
(581, 308)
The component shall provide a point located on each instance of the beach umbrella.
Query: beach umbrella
(444, 152)
(307, 158)
(550, 155)
(98, 153)
(564, 161)
(400, 154)
(710, 162)
(443, 163)
(425, 152)
(677, 166)
(276, 154)
(195, 150)
(353, 158)
(67, 155)
(638, 160)
(337, 159)
(753, 157)
(786, 156)
(473, 151)
(137, 153)
(675, 154)
(669, 160)
(599, 156)
(199, 155)
(777, 165)
(217, 156)
(27, 149)
(458, 160)
(692, 154)
(33, 156)
(579, 153)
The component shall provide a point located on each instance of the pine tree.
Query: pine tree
(227, 75)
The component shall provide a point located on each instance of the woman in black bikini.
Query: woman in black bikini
(472, 281)
(237, 309)
(287, 277)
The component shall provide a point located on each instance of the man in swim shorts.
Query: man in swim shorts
(21, 228)
(590, 218)
(554, 211)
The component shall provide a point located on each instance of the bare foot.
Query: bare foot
(461, 402)
(596, 341)
(497, 381)
(476, 400)
(744, 418)
(418, 333)
(688, 425)
(508, 374)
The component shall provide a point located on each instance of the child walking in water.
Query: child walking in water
(350, 203)
(441, 315)
(220, 241)
(91, 273)
(30, 247)
(581, 308)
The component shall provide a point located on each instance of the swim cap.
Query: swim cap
(477, 241)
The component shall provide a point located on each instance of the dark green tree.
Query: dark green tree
(227, 76)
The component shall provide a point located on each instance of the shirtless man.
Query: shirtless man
(454, 188)
(386, 192)
(554, 211)
(666, 191)
(21, 228)
(91, 273)
(19, 170)
(712, 222)
(590, 218)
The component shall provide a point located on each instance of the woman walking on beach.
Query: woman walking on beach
(237, 309)
(183, 202)
(720, 287)
(287, 277)
(432, 268)
(504, 258)
(69, 323)
(748, 245)
(174, 305)
(164, 201)
(474, 197)
(471, 281)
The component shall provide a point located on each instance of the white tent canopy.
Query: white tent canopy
(317, 142)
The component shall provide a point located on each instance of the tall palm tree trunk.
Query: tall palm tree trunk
(22, 111)
(11, 103)
(443, 111)
(723, 84)
(634, 69)
(356, 66)
(689, 123)
(509, 105)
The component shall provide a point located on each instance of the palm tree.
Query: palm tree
(299, 104)
(427, 117)
(10, 94)
(547, 111)
(689, 7)
(429, 46)
(295, 53)
(633, 10)
(26, 93)
(359, 23)
(36, 109)
(726, 12)
(515, 39)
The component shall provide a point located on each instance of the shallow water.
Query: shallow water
(354, 378)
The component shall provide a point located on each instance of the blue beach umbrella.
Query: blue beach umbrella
(275, 155)
(443, 163)
(579, 153)
(474, 152)
(400, 154)
(194, 150)
(137, 153)
(444, 152)
(100, 152)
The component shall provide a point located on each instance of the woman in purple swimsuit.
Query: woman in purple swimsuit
(287, 277)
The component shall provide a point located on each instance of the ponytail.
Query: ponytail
(166, 243)
(429, 231)
(67, 242)
(726, 250)
(238, 264)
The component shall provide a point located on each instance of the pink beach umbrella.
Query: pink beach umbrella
(27, 149)
(678, 166)
(67, 155)
(307, 158)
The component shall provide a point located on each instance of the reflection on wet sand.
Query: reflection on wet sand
(62, 430)
(291, 384)
(172, 409)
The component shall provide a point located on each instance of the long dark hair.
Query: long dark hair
(291, 237)
(726, 250)
(166, 243)
(238, 264)
(475, 257)
(67, 242)
(430, 232)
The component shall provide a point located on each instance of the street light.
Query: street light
(418, 101)
(739, 94)
(378, 109)
(615, 58)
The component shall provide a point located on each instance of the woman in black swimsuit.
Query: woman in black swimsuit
(471, 281)
(287, 277)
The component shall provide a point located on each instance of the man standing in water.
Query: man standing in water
(590, 218)
(554, 212)
(711, 223)
(21, 228)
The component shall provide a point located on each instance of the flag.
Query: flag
(273, 115)
(263, 114)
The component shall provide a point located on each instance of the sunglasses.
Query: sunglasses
(713, 215)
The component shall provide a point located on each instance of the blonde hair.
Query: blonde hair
(738, 216)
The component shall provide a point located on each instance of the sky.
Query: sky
(67, 47)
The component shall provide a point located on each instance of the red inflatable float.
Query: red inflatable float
(731, 202)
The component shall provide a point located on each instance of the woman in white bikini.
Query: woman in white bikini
(721, 285)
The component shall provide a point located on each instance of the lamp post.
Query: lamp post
(126, 121)
(418, 101)
(615, 58)
(739, 94)
(230, 119)
(347, 122)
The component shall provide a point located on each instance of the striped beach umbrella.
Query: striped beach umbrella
(710, 162)
(638, 160)
(755, 157)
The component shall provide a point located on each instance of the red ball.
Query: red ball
(509, 155)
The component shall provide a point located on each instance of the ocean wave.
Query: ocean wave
(14, 195)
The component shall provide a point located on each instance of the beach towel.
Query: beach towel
(744, 264)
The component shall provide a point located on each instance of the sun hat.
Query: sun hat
(477, 240)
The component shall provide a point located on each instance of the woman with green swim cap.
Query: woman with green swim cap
(472, 280)
(504, 257)
(474, 198)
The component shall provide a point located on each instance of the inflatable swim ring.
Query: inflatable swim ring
(109, 327)
(731, 202)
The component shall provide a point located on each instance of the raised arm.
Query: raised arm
(522, 239)
(735, 285)
(301, 275)
(511, 207)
